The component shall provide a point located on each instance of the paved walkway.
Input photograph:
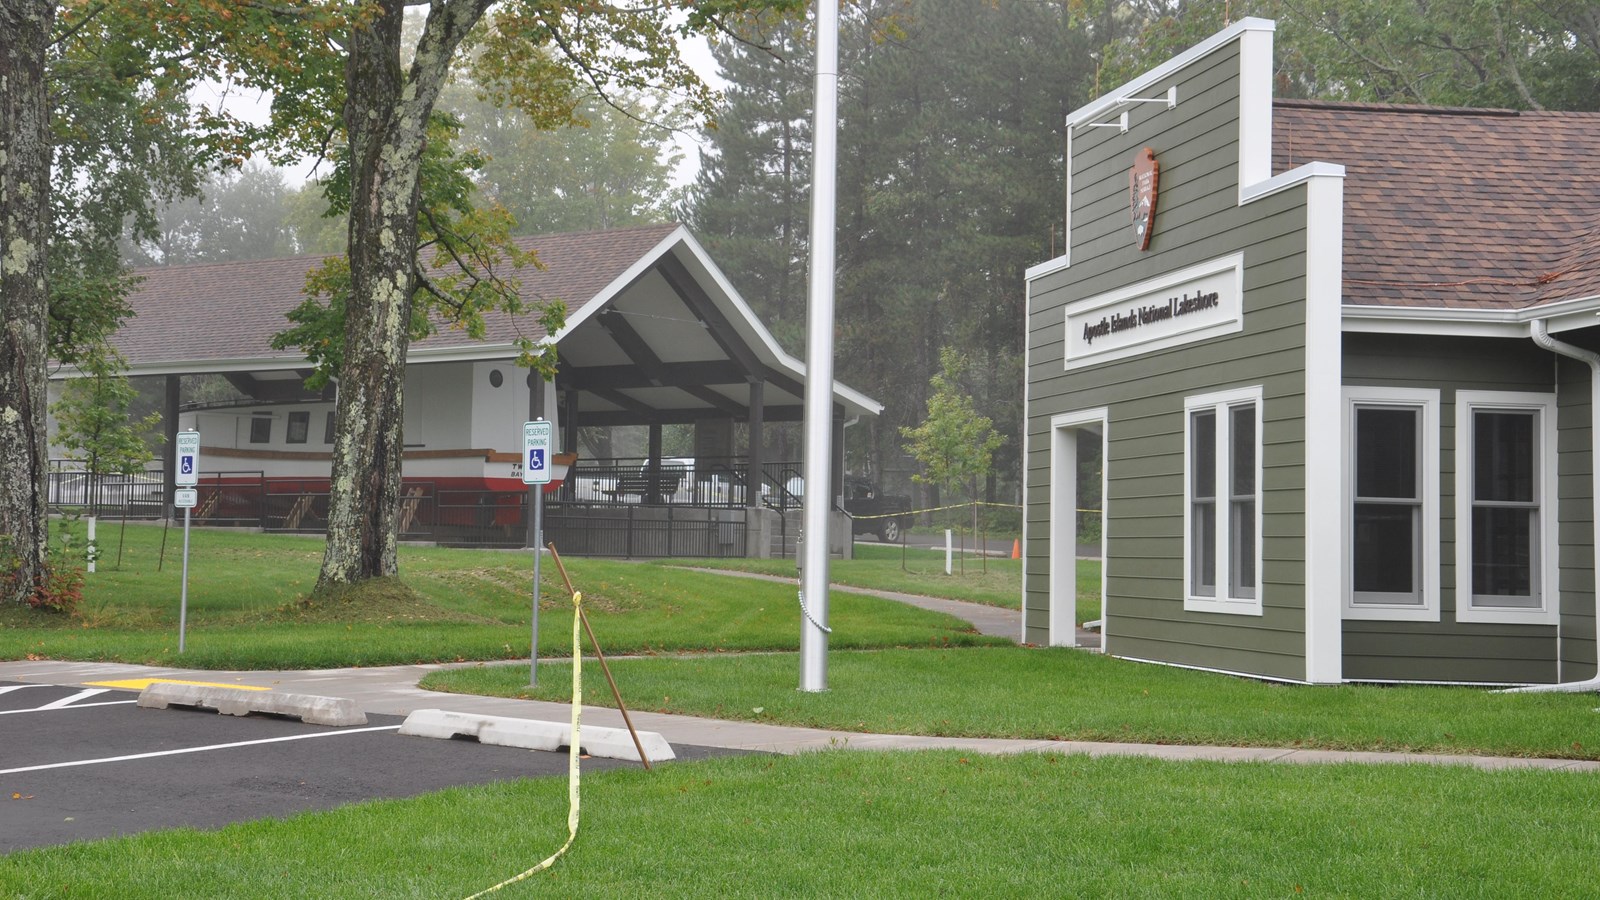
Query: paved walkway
(991, 620)
(393, 690)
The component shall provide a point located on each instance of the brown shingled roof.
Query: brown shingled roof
(213, 314)
(1456, 208)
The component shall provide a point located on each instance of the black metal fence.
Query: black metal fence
(135, 496)
(428, 512)
(680, 482)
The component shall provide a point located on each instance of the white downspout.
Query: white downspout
(1541, 336)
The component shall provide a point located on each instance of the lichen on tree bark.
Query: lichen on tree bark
(24, 300)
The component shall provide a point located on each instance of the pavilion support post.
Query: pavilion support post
(653, 465)
(758, 443)
(569, 442)
(169, 426)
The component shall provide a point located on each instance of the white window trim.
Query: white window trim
(1427, 402)
(1548, 612)
(1221, 603)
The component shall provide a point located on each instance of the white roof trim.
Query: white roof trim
(609, 292)
(1564, 315)
(1289, 179)
(1115, 97)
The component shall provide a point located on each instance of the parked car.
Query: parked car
(871, 511)
(874, 512)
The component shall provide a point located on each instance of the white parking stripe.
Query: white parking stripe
(17, 687)
(276, 740)
(81, 695)
(18, 712)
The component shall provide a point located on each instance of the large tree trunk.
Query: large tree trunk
(24, 298)
(386, 116)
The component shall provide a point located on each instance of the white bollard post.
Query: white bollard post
(947, 551)
(92, 550)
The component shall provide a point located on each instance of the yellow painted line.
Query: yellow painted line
(139, 684)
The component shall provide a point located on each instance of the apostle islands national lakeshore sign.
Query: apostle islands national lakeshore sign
(1192, 304)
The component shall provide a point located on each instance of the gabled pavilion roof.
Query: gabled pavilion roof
(654, 331)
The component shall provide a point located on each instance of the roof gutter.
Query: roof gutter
(1541, 336)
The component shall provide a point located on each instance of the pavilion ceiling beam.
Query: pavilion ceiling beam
(677, 276)
(718, 400)
(679, 416)
(685, 374)
(633, 344)
(629, 405)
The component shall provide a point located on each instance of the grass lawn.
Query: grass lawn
(1072, 695)
(913, 570)
(245, 611)
(893, 825)
(879, 566)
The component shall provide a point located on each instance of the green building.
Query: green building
(1341, 360)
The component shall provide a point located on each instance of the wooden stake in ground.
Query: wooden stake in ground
(602, 657)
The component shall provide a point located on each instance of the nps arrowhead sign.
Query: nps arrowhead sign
(536, 446)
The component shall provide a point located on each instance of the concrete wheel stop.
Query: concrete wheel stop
(336, 711)
(530, 734)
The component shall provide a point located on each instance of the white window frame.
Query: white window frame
(1426, 403)
(1220, 403)
(1547, 569)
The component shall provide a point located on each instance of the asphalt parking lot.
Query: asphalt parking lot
(79, 763)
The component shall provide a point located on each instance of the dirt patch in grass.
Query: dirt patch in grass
(378, 600)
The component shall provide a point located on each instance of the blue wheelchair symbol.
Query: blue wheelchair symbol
(535, 459)
(186, 465)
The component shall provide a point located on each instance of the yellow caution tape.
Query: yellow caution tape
(572, 756)
(934, 509)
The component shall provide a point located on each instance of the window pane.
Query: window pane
(1203, 455)
(1384, 541)
(260, 429)
(1242, 548)
(1243, 432)
(1386, 453)
(1503, 554)
(327, 429)
(1203, 555)
(299, 424)
(1503, 456)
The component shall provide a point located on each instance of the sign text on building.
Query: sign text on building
(1192, 304)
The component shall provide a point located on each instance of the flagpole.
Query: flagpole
(819, 361)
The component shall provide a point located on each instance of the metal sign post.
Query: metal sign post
(187, 476)
(536, 443)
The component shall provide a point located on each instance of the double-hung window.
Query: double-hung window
(299, 424)
(1505, 507)
(1391, 503)
(1222, 526)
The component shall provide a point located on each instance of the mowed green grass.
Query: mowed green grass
(856, 824)
(886, 567)
(245, 610)
(909, 570)
(1065, 694)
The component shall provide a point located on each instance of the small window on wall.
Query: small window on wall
(261, 429)
(299, 425)
(1505, 507)
(327, 428)
(1222, 530)
(1391, 518)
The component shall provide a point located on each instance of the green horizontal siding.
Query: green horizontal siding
(1448, 650)
(1198, 219)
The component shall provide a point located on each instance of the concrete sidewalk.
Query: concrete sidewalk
(393, 690)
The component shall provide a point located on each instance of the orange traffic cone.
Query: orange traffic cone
(1016, 548)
